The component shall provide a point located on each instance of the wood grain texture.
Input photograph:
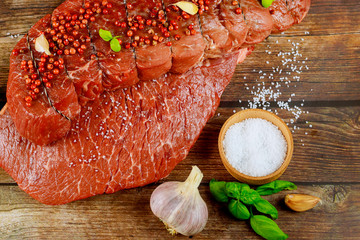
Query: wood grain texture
(332, 62)
(3, 109)
(127, 215)
(326, 160)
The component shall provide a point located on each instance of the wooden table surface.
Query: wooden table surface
(326, 160)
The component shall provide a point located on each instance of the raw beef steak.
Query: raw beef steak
(125, 139)
(87, 120)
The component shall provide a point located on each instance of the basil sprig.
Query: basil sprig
(275, 187)
(114, 42)
(241, 199)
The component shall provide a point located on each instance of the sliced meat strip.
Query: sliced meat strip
(119, 68)
(62, 92)
(82, 68)
(233, 20)
(188, 45)
(281, 16)
(155, 58)
(39, 123)
(216, 35)
(298, 9)
(259, 21)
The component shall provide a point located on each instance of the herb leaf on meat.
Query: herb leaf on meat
(114, 42)
(266, 3)
(115, 45)
(105, 35)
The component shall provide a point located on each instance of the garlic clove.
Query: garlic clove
(301, 202)
(180, 206)
(42, 44)
(187, 7)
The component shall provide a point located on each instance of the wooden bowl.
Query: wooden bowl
(256, 113)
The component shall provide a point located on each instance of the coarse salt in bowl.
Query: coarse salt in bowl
(255, 146)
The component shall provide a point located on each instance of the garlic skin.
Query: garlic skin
(180, 206)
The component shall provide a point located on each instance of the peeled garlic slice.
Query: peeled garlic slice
(187, 7)
(42, 45)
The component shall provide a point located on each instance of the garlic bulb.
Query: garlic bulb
(180, 206)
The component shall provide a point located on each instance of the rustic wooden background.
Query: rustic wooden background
(326, 161)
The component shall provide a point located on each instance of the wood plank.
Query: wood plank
(329, 151)
(332, 63)
(3, 109)
(5, 178)
(127, 214)
(330, 18)
(16, 17)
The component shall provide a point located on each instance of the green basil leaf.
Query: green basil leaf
(266, 3)
(217, 189)
(105, 35)
(264, 206)
(238, 210)
(249, 196)
(275, 186)
(115, 45)
(233, 189)
(267, 228)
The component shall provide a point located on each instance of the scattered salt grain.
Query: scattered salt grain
(276, 90)
(12, 35)
(255, 147)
